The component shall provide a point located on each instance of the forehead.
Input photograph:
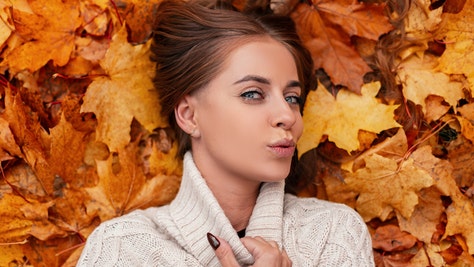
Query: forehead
(263, 56)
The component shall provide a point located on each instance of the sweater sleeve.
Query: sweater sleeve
(327, 234)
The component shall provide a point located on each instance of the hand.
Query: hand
(265, 253)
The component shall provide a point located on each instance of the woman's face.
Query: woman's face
(248, 118)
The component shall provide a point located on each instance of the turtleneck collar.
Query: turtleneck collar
(196, 212)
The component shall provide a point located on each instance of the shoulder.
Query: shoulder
(328, 233)
(313, 207)
(133, 239)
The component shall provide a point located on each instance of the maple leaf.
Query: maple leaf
(385, 187)
(341, 117)
(49, 35)
(391, 238)
(30, 136)
(457, 34)
(461, 209)
(139, 16)
(425, 218)
(420, 79)
(126, 92)
(326, 27)
(123, 186)
(421, 21)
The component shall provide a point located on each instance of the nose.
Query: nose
(283, 115)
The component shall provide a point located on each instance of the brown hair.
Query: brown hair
(191, 43)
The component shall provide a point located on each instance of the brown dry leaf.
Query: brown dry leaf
(326, 27)
(457, 33)
(30, 137)
(461, 211)
(49, 35)
(51, 252)
(390, 238)
(467, 128)
(420, 23)
(429, 256)
(424, 219)
(341, 117)
(435, 108)
(462, 159)
(95, 18)
(460, 217)
(384, 187)
(23, 179)
(126, 92)
(139, 16)
(467, 111)
(8, 146)
(420, 79)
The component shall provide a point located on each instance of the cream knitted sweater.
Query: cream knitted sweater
(313, 232)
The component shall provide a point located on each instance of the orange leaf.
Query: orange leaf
(326, 27)
(49, 35)
(124, 94)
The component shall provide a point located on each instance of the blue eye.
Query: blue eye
(296, 100)
(252, 95)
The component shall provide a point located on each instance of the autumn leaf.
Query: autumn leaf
(420, 79)
(426, 216)
(32, 139)
(391, 238)
(49, 35)
(341, 117)
(461, 209)
(122, 171)
(126, 92)
(457, 34)
(139, 16)
(326, 27)
(383, 187)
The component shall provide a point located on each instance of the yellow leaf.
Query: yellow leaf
(457, 32)
(342, 117)
(384, 188)
(126, 92)
(420, 79)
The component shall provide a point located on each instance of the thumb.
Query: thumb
(223, 251)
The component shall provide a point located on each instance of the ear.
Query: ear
(185, 115)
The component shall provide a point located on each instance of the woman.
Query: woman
(232, 87)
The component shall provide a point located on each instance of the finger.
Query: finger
(223, 251)
(286, 262)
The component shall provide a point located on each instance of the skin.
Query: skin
(243, 128)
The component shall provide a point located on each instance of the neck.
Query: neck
(236, 199)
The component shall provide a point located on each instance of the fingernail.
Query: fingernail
(213, 241)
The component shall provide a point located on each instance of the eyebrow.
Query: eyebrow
(264, 80)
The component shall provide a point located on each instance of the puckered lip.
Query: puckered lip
(285, 143)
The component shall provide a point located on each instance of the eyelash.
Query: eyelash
(292, 100)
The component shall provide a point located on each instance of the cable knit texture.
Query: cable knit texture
(313, 232)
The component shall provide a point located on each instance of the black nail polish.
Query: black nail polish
(213, 241)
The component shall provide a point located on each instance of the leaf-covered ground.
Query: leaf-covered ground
(81, 140)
